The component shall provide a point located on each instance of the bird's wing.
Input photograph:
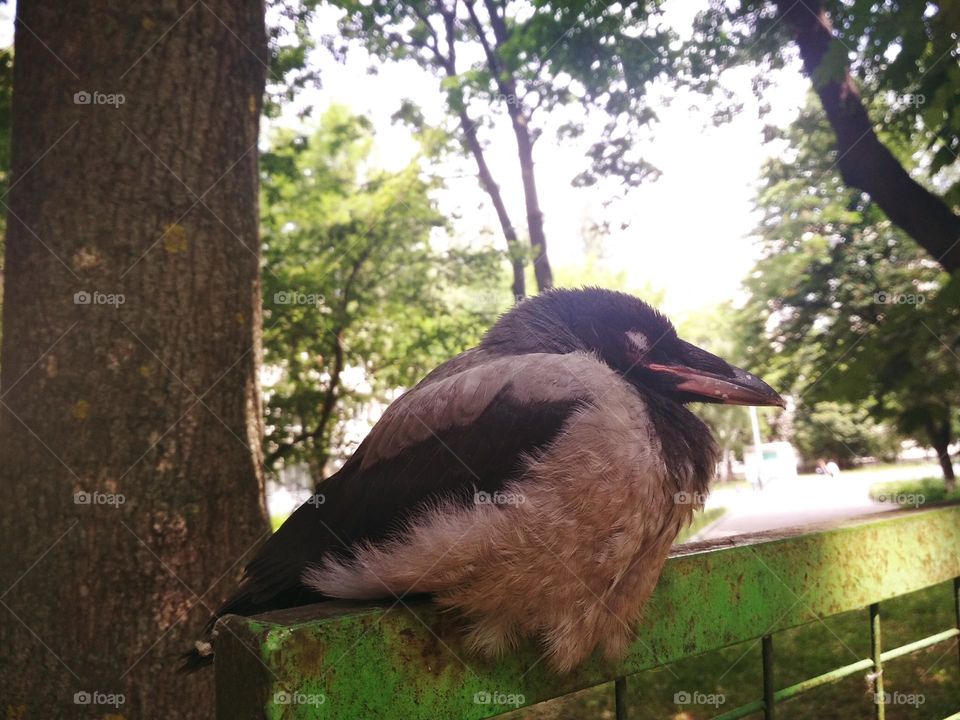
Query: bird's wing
(444, 440)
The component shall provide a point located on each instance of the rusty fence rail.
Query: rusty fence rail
(404, 659)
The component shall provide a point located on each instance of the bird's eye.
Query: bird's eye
(638, 341)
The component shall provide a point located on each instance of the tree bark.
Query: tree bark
(131, 485)
(864, 162)
(946, 464)
(939, 434)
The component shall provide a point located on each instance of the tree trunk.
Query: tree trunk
(447, 62)
(939, 433)
(946, 464)
(496, 197)
(864, 161)
(941, 444)
(538, 237)
(521, 130)
(130, 423)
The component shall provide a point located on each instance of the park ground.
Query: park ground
(809, 499)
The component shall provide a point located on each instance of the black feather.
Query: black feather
(377, 502)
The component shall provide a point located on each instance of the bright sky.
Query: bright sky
(689, 230)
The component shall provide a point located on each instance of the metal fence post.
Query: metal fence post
(769, 688)
(956, 602)
(876, 651)
(620, 697)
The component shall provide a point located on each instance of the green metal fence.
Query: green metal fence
(405, 659)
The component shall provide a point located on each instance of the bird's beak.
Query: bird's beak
(738, 388)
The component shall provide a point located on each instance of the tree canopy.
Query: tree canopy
(894, 62)
(363, 292)
(843, 307)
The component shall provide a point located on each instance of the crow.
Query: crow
(534, 483)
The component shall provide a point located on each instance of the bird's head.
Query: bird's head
(631, 337)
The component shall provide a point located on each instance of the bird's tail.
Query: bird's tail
(243, 602)
(271, 582)
(198, 658)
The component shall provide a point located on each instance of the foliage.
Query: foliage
(842, 306)
(289, 43)
(361, 295)
(555, 54)
(842, 432)
(603, 57)
(903, 53)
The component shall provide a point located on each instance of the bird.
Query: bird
(534, 484)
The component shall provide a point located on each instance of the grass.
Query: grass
(913, 493)
(734, 673)
(700, 521)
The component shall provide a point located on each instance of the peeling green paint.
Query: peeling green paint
(407, 660)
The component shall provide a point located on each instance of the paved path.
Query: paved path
(808, 499)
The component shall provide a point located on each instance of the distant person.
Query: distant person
(832, 469)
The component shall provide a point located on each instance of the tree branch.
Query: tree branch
(332, 394)
(864, 162)
(469, 128)
(521, 130)
(448, 63)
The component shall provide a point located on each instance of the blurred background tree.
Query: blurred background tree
(364, 292)
(844, 307)
(499, 61)
(843, 432)
(868, 62)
